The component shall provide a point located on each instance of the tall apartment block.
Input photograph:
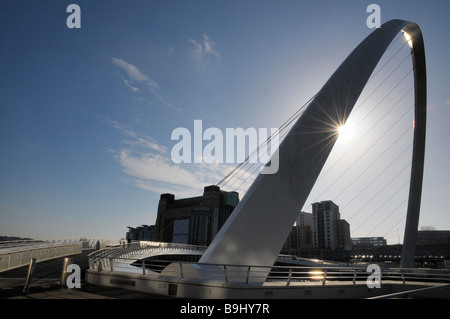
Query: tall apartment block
(330, 232)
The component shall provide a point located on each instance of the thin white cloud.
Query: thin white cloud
(157, 168)
(133, 88)
(135, 76)
(133, 72)
(198, 49)
(148, 142)
(208, 45)
(135, 140)
(202, 50)
(156, 172)
(150, 166)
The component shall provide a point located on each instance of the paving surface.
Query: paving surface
(45, 283)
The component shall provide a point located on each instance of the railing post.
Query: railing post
(181, 270)
(64, 274)
(248, 275)
(111, 264)
(100, 265)
(403, 276)
(143, 267)
(354, 277)
(30, 274)
(289, 277)
(324, 278)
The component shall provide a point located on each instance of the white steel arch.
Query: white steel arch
(258, 227)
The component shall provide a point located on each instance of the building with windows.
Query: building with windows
(305, 224)
(367, 242)
(433, 237)
(300, 236)
(329, 231)
(194, 220)
(144, 232)
(344, 241)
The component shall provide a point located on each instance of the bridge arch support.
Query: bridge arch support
(255, 232)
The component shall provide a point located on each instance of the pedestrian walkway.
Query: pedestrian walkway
(52, 290)
(45, 284)
(61, 294)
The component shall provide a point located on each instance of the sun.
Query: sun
(344, 131)
(341, 129)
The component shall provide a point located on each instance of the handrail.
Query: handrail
(287, 274)
(87, 244)
(122, 257)
(15, 257)
(14, 249)
(131, 249)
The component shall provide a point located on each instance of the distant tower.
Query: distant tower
(325, 220)
(304, 224)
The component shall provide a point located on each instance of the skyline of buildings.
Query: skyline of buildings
(196, 221)
(320, 234)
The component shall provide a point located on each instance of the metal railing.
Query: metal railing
(12, 257)
(86, 243)
(277, 275)
(129, 257)
(19, 253)
(128, 253)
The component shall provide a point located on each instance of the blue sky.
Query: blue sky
(86, 114)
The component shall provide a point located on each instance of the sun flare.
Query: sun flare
(344, 130)
(341, 129)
